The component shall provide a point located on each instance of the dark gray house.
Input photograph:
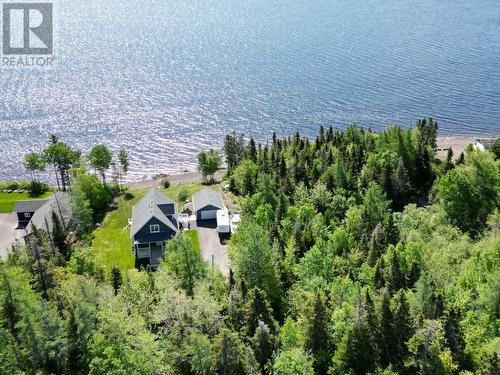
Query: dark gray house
(25, 210)
(206, 203)
(154, 221)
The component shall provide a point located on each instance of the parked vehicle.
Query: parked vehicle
(223, 222)
(235, 221)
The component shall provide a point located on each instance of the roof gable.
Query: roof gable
(29, 205)
(207, 197)
(148, 207)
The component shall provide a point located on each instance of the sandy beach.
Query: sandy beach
(175, 179)
(456, 143)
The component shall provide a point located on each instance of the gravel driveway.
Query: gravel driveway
(8, 233)
(210, 244)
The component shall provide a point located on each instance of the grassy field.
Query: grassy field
(112, 243)
(7, 200)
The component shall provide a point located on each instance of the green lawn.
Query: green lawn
(7, 200)
(112, 243)
(193, 235)
(173, 191)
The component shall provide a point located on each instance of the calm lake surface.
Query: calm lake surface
(166, 79)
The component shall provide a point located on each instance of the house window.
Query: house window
(155, 228)
(27, 215)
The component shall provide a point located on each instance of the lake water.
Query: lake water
(166, 79)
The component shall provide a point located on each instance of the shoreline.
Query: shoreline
(457, 143)
(175, 179)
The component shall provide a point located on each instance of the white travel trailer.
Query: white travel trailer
(223, 222)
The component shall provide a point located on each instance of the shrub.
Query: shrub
(183, 194)
(165, 183)
(128, 196)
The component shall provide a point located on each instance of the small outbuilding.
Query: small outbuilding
(206, 203)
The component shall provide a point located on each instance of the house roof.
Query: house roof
(148, 207)
(29, 205)
(207, 197)
(58, 203)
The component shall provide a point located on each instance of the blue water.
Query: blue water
(167, 78)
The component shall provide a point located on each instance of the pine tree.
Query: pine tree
(59, 236)
(375, 245)
(316, 334)
(454, 337)
(400, 186)
(386, 331)
(402, 329)
(228, 354)
(448, 164)
(258, 309)
(252, 151)
(263, 345)
(73, 352)
(233, 149)
(10, 314)
(355, 353)
(42, 265)
(394, 277)
(378, 277)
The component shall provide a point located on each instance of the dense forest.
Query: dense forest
(359, 252)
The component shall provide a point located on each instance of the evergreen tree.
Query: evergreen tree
(316, 334)
(228, 354)
(59, 236)
(394, 276)
(402, 329)
(252, 151)
(10, 314)
(355, 353)
(400, 186)
(258, 309)
(263, 345)
(448, 163)
(454, 337)
(385, 331)
(232, 151)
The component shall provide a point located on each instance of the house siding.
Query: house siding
(24, 220)
(144, 234)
